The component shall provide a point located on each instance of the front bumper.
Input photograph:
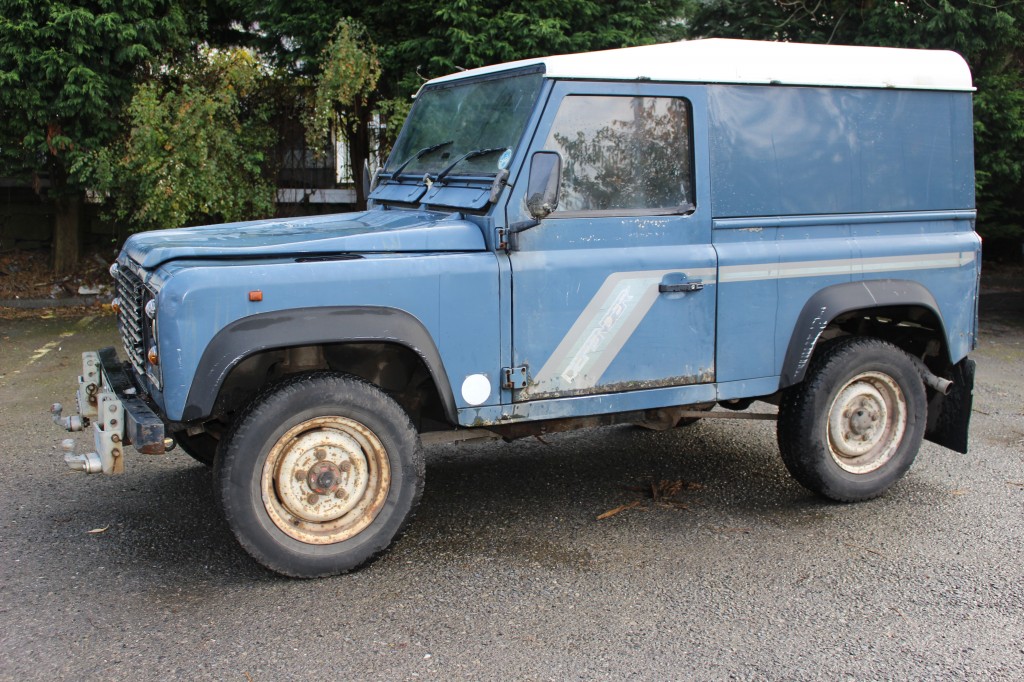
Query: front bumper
(109, 401)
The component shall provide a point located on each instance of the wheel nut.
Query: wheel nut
(300, 475)
(313, 498)
(320, 453)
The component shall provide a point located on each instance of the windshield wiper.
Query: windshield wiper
(417, 155)
(468, 155)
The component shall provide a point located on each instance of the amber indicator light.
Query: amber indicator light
(256, 296)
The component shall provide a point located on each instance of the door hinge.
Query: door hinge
(515, 377)
(502, 239)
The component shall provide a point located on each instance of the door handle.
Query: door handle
(681, 288)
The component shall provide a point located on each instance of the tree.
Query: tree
(989, 35)
(348, 77)
(195, 147)
(420, 39)
(67, 70)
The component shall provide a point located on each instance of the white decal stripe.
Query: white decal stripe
(604, 326)
(624, 299)
(843, 266)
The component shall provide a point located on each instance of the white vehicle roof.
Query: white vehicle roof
(719, 60)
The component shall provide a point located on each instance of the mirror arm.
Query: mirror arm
(516, 228)
(511, 236)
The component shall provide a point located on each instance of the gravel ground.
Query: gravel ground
(507, 573)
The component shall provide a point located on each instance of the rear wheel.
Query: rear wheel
(319, 474)
(855, 424)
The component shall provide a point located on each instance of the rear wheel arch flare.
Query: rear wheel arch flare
(830, 303)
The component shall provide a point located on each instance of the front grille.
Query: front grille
(130, 319)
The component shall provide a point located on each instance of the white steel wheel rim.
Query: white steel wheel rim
(866, 422)
(325, 480)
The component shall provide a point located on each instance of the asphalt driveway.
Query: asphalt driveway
(733, 572)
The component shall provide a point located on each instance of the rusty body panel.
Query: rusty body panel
(702, 376)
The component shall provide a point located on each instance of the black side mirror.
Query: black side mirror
(545, 181)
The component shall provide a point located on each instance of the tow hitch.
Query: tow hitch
(108, 430)
(109, 403)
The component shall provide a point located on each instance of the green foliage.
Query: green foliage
(196, 148)
(349, 74)
(461, 34)
(420, 39)
(66, 71)
(989, 35)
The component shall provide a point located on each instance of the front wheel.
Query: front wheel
(319, 474)
(854, 426)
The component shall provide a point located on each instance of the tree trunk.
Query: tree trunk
(66, 245)
(358, 136)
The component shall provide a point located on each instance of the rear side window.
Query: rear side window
(624, 154)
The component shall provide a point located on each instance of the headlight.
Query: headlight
(151, 308)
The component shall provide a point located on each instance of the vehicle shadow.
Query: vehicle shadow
(513, 500)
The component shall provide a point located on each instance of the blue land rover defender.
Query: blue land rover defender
(636, 235)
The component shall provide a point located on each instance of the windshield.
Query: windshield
(468, 119)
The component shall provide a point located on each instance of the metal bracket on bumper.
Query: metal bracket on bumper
(109, 400)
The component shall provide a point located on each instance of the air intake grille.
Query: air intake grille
(132, 294)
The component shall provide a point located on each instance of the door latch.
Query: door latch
(681, 288)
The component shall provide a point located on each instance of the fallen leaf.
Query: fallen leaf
(959, 492)
(97, 531)
(618, 510)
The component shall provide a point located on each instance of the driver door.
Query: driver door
(615, 289)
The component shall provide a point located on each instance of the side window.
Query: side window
(624, 154)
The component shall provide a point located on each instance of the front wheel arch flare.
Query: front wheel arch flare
(310, 327)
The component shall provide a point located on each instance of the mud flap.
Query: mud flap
(949, 416)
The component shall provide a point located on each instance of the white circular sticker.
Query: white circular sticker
(476, 389)
(504, 159)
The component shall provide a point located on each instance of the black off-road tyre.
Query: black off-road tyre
(855, 424)
(319, 474)
(202, 448)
